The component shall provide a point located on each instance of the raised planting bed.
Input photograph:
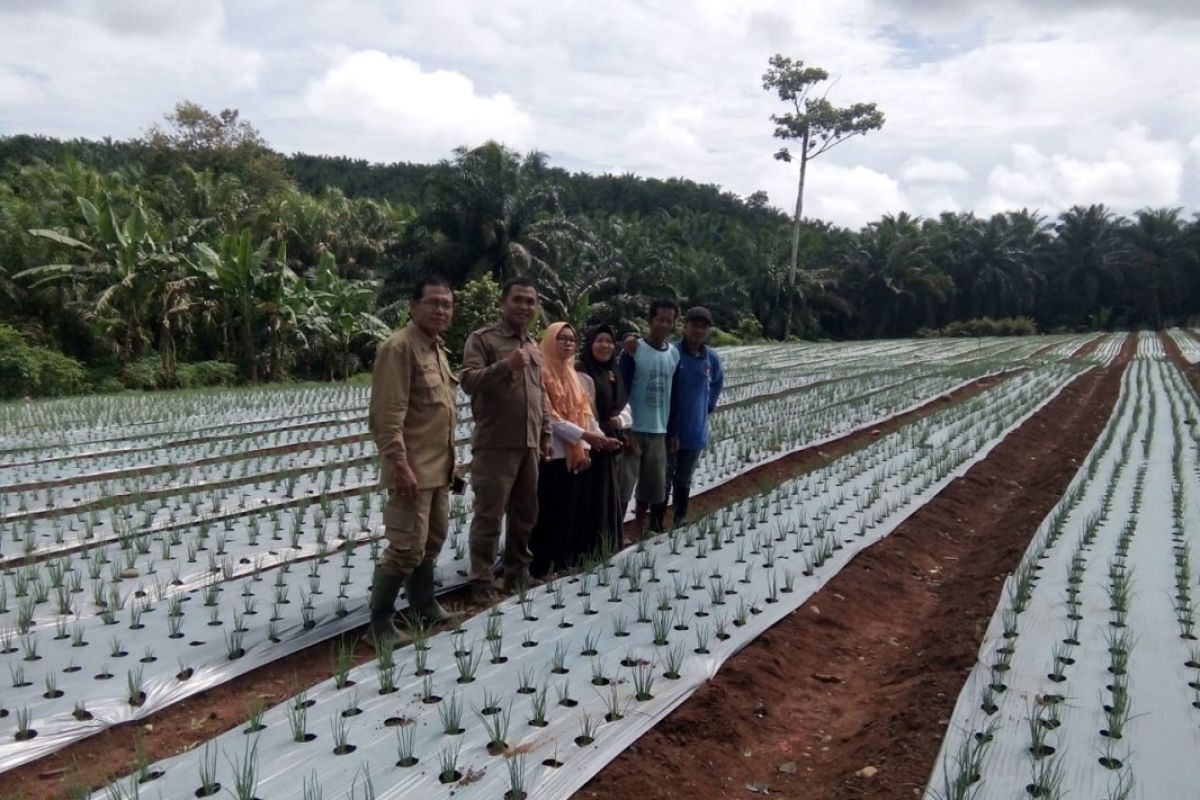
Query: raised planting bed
(1087, 680)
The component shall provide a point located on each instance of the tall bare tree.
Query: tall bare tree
(817, 126)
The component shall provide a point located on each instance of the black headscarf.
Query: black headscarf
(610, 389)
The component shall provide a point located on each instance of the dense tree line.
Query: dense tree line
(199, 244)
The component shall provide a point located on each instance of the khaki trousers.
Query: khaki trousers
(415, 529)
(505, 483)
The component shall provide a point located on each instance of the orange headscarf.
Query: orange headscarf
(568, 400)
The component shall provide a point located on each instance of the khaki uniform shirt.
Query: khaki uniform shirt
(413, 413)
(510, 408)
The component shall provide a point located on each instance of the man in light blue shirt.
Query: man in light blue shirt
(648, 374)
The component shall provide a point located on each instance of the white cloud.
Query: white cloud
(932, 170)
(388, 105)
(665, 138)
(16, 90)
(671, 88)
(851, 196)
(1128, 171)
(106, 83)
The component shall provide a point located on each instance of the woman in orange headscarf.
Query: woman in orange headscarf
(565, 525)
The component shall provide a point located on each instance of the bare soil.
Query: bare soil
(95, 761)
(849, 697)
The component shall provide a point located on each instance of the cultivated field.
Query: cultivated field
(159, 548)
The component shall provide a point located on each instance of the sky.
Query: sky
(990, 106)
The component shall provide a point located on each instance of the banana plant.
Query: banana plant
(236, 272)
(129, 266)
(339, 314)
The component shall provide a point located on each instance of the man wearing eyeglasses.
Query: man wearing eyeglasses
(412, 417)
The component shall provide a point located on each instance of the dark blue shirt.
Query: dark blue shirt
(695, 390)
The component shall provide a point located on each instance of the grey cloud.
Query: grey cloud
(152, 17)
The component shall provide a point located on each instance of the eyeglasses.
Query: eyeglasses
(566, 339)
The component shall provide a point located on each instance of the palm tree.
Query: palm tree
(1004, 278)
(484, 205)
(574, 270)
(888, 269)
(1084, 256)
(1159, 253)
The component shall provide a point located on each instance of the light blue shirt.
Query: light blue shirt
(650, 385)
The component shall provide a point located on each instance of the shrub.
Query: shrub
(986, 326)
(206, 373)
(475, 305)
(27, 370)
(719, 338)
(145, 374)
(58, 374)
(748, 329)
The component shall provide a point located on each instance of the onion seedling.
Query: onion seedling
(448, 764)
(298, 719)
(559, 660)
(208, 772)
(613, 705)
(587, 731)
(516, 778)
(1037, 736)
(537, 704)
(661, 627)
(673, 662)
(311, 787)
(563, 692)
(495, 724)
(342, 656)
(643, 681)
(245, 772)
(340, 728)
(134, 683)
(598, 678)
(450, 713)
(255, 710)
(427, 695)
(468, 663)
(406, 738)
(24, 732)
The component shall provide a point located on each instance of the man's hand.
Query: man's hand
(615, 423)
(547, 451)
(672, 444)
(518, 359)
(406, 480)
(602, 442)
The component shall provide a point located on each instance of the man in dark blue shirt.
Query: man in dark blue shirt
(695, 390)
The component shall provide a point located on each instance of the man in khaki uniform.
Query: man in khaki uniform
(412, 417)
(502, 372)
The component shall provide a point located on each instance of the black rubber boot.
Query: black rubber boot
(682, 496)
(658, 513)
(421, 598)
(385, 587)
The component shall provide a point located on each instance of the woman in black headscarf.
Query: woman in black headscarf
(598, 360)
